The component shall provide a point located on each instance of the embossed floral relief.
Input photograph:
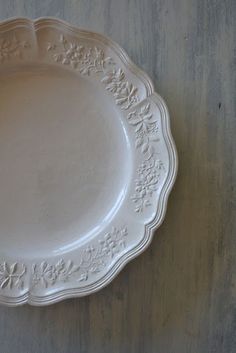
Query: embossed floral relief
(12, 275)
(149, 174)
(86, 60)
(150, 170)
(11, 47)
(146, 128)
(125, 94)
(90, 60)
(92, 260)
(93, 60)
(47, 274)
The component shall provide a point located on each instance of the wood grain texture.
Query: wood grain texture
(180, 295)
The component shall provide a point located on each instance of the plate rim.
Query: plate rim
(150, 228)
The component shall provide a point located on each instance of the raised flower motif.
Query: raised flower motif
(125, 94)
(11, 275)
(93, 259)
(145, 128)
(11, 48)
(149, 175)
(50, 274)
(113, 241)
(89, 60)
(114, 80)
(86, 60)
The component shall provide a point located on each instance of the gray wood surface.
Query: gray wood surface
(180, 295)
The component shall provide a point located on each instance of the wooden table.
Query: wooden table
(180, 295)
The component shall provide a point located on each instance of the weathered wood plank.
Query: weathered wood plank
(180, 295)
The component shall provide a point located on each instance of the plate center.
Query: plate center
(64, 160)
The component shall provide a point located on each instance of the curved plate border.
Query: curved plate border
(162, 204)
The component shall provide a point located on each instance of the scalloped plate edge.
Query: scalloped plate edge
(162, 205)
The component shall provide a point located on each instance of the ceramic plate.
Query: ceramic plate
(86, 161)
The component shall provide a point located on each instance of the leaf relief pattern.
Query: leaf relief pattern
(149, 173)
(88, 60)
(12, 275)
(93, 260)
(150, 170)
(11, 48)
(125, 94)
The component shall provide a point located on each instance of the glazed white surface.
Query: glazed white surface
(87, 161)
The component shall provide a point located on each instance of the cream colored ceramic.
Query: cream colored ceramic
(86, 161)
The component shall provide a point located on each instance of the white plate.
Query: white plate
(86, 161)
